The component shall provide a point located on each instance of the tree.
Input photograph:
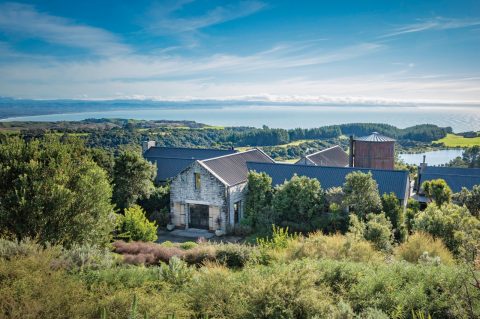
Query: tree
(258, 205)
(438, 191)
(458, 229)
(135, 225)
(378, 230)
(413, 208)
(471, 199)
(132, 179)
(157, 206)
(54, 192)
(393, 211)
(361, 194)
(299, 200)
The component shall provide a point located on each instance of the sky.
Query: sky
(301, 51)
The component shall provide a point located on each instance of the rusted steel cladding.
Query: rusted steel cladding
(380, 155)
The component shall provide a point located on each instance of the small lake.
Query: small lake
(432, 158)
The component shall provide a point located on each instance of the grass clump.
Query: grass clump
(419, 245)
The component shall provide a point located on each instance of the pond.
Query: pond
(433, 157)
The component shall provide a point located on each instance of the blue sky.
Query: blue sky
(316, 51)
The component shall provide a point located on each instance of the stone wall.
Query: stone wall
(212, 193)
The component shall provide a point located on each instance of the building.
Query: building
(333, 156)
(209, 194)
(396, 181)
(374, 151)
(172, 160)
(456, 177)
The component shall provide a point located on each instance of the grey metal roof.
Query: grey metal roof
(455, 177)
(172, 160)
(232, 169)
(183, 152)
(374, 137)
(451, 170)
(388, 180)
(333, 156)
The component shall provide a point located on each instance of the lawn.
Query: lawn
(452, 140)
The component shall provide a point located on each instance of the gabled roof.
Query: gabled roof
(183, 152)
(388, 180)
(333, 156)
(172, 160)
(232, 169)
(456, 177)
(374, 137)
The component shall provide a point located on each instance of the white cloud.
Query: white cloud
(163, 20)
(25, 20)
(438, 23)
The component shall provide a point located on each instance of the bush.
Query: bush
(337, 247)
(146, 253)
(135, 225)
(378, 230)
(457, 228)
(234, 255)
(25, 247)
(188, 245)
(176, 273)
(419, 243)
(86, 257)
(200, 255)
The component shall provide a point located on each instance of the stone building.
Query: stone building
(172, 160)
(209, 194)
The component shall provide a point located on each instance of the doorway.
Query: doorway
(198, 216)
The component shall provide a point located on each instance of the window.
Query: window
(236, 212)
(197, 180)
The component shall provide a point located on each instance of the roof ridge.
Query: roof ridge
(226, 155)
(192, 148)
(339, 167)
(326, 149)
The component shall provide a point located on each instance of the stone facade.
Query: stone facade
(211, 192)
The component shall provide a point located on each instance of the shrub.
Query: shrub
(361, 194)
(299, 201)
(188, 245)
(438, 191)
(146, 253)
(457, 228)
(177, 272)
(378, 230)
(25, 247)
(135, 225)
(337, 247)
(234, 255)
(200, 255)
(280, 238)
(419, 243)
(86, 257)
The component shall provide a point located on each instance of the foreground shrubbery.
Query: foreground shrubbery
(305, 277)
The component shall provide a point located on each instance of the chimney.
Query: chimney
(421, 168)
(146, 145)
(351, 151)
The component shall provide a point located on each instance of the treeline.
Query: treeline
(116, 134)
(268, 136)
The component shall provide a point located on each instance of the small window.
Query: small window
(236, 212)
(197, 180)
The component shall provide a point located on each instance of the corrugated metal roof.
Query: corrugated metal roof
(456, 177)
(388, 180)
(374, 137)
(451, 170)
(183, 152)
(172, 160)
(232, 169)
(333, 156)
